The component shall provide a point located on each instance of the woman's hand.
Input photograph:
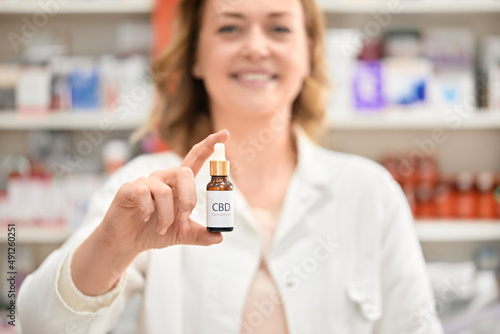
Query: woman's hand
(153, 212)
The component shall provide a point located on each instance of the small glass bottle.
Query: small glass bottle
(485, 182)
(220, 197)
(445, 198)
(466, 200)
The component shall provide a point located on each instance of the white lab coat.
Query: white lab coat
(345, 259)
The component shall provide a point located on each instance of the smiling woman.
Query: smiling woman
(223, 48)
(323, 242)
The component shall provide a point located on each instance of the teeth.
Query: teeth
(255, 77)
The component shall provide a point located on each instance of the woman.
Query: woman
(323, 241)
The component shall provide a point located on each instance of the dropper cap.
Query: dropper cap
(219, 166)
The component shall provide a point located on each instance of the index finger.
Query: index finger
(200, 152)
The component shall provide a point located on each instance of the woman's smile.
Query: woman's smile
(255, 78)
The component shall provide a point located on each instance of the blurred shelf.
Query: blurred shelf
(480, 120)
(91, 120)
(409, 7)
(458, 230)
(71, 120)
(427, 231)
(36, 235)
(79, 7)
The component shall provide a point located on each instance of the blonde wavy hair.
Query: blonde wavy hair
(181, 115)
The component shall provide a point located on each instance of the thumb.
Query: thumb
(196, 234)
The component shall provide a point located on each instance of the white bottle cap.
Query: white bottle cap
(219, 152)
(219, 166)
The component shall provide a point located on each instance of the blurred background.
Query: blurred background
(416, 87)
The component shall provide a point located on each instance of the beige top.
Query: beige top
(263, 311)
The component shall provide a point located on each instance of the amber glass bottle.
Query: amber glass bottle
(220, 198)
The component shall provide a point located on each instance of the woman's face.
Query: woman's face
(253, 55)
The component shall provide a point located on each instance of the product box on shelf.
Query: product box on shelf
(84, 80)
(33, 90)
(494, 86)
(368, 86)
(407, 82)
(342, 48)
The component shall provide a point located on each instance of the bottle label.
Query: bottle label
(220, 208)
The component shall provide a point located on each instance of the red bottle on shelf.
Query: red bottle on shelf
(444, 198)
(486, 198)
(426, 208)
(427, 178)
(466, 200)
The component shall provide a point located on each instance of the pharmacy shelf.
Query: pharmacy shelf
(427, 231)
(34, 235)
(409, 7)
(480, 120)
(71, 120)
(458, 230)
(79, 7)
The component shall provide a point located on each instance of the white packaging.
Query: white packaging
(33, 90)
(494, 86)
(405, 80)
(452, 88)
(342, 49)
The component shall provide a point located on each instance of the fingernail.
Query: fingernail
(162, 231)
(146, 218)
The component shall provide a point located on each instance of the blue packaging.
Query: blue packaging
(85, 88)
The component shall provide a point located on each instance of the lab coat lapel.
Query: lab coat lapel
(308, 185)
